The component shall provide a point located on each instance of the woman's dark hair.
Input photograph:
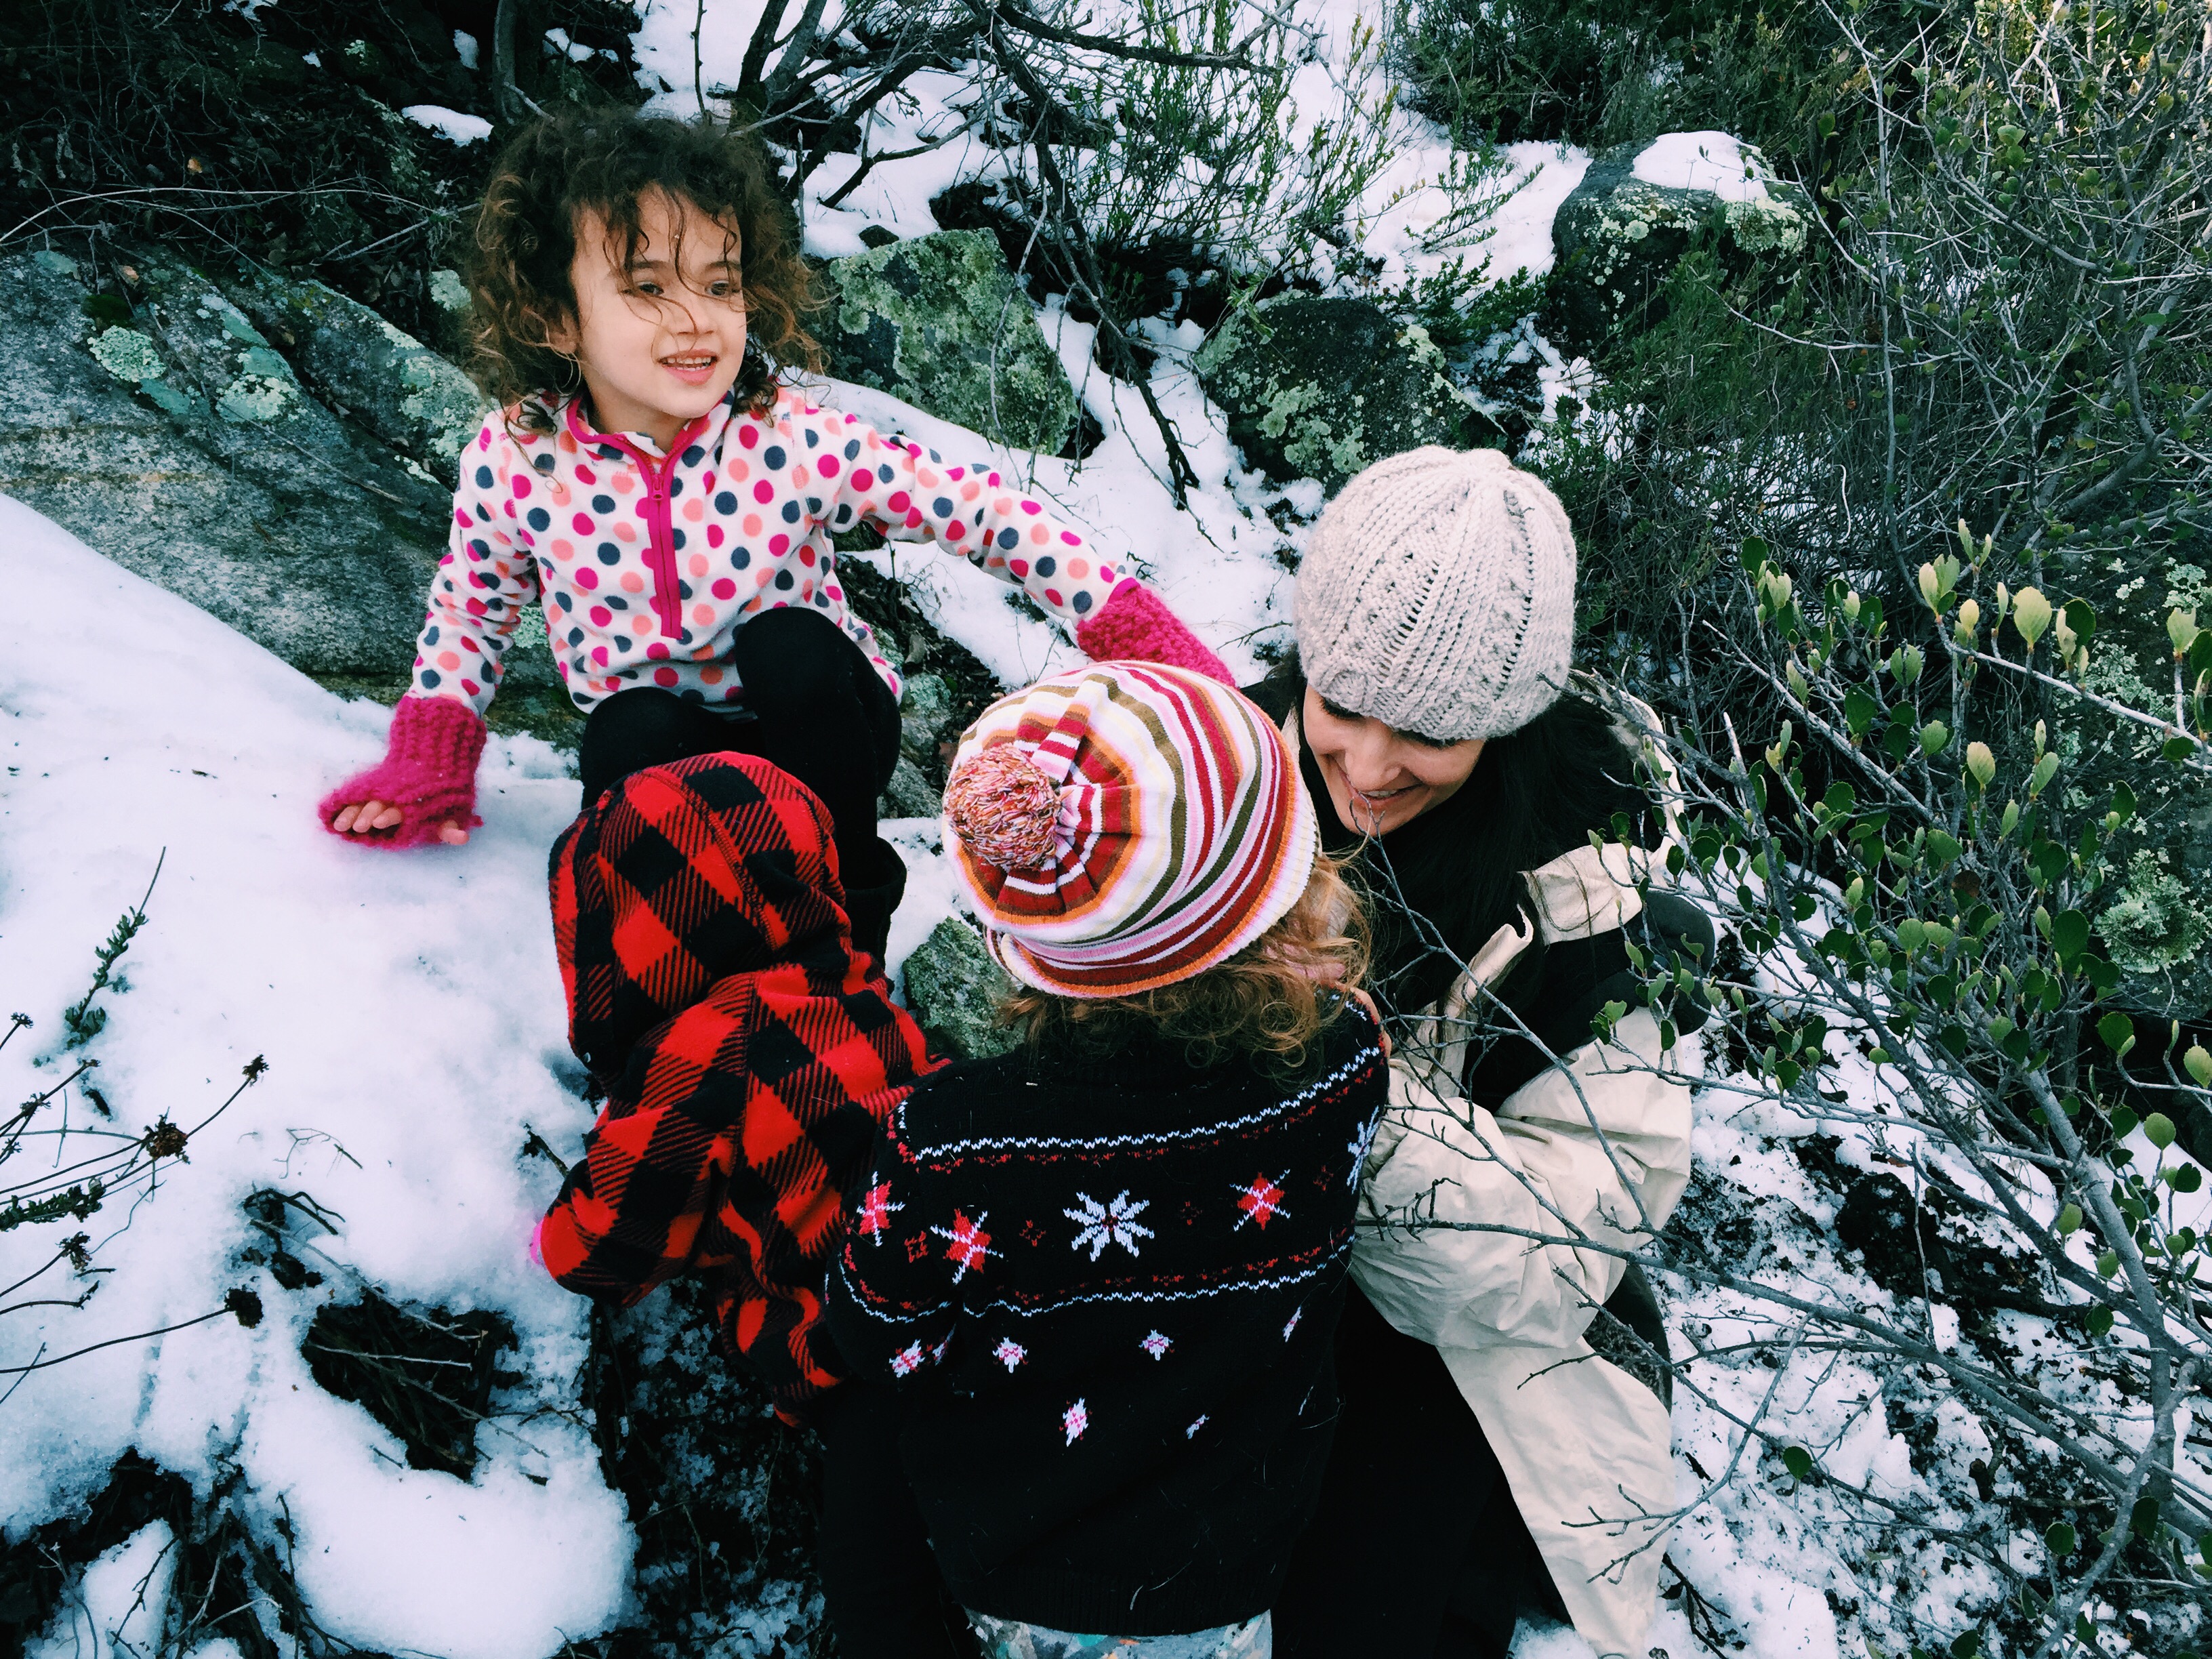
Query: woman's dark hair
(605, 162)
(1534, 793)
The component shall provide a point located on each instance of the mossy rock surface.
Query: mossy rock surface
(1334, 387)
(159, 425)
(1618, 237)
(940, 322)
(953, 988)
(392, 383)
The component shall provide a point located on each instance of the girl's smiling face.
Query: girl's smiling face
(659, 340)
(1379, 779)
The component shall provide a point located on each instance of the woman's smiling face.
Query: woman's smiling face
(1380, 779)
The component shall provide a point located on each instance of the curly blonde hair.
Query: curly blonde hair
(603, 163)
(1265, 1004)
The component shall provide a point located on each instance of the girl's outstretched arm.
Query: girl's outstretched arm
(424, 789)
(1000, 528)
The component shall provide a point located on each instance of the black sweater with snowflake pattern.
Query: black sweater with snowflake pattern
(1105, 1292)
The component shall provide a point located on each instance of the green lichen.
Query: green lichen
(379, 374)
(940, 322)
(2154, 927)
(59, 264)
(1284, 404)
(1416, 340)
(2187, 588)
(446, 404)
(447, 290)
(1323, 388)
(171, 401)
(256, 399)
(1321, 449)
(129, 356)
(1765, 226)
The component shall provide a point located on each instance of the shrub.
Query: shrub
(1602, 72)
(1908, 878)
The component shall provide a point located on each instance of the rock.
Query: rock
(180, 444)
(1618, 237)
(910, 794)
(169, 432)
(392, 383)
(953, 988)
(1334, 387)
(1911, 1251)
(925, 710)
(938, 322)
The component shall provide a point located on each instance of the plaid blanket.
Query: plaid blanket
(749, 1055)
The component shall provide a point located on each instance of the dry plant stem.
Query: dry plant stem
(1077, 246)
(113, 1341)
(2201, 762)
(1234, 60)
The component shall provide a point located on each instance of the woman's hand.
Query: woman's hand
(374, 815)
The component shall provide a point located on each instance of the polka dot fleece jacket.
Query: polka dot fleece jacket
(647, 565)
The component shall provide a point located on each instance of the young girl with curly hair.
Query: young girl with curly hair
(651, 480)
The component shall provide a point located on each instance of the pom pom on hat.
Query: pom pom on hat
(1004, 810)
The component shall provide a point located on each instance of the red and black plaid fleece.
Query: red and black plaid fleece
(747, 1053)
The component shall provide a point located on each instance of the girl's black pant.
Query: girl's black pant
(880, 1584)
(815, 707)
(1417, 1550)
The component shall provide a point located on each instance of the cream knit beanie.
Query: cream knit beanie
(1437, 595)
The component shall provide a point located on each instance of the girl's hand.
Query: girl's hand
(371, 814)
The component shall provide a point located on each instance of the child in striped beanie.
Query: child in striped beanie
(1100, 1272)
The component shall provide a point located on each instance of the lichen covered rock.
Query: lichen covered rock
(952, 988)
(394, 384)
(910, 794)
(1618, 237)
(938, 322)
(1320, 388)
(158, 422)
(161, 426)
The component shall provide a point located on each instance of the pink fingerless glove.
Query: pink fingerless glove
(428, 771)
(1133, 625)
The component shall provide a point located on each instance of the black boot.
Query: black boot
(875, 882)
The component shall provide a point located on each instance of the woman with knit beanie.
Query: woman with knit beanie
(1102, 1273)
(1504, 1430)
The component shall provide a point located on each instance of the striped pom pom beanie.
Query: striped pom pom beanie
(1437, 595)
(1126, 825)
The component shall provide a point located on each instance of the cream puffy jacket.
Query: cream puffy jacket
(1598, 1148)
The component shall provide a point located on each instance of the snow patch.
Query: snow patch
(1716, 162)
(462, 129)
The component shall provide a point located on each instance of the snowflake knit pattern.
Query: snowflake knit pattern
(1107, 1298)
(648, 563)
